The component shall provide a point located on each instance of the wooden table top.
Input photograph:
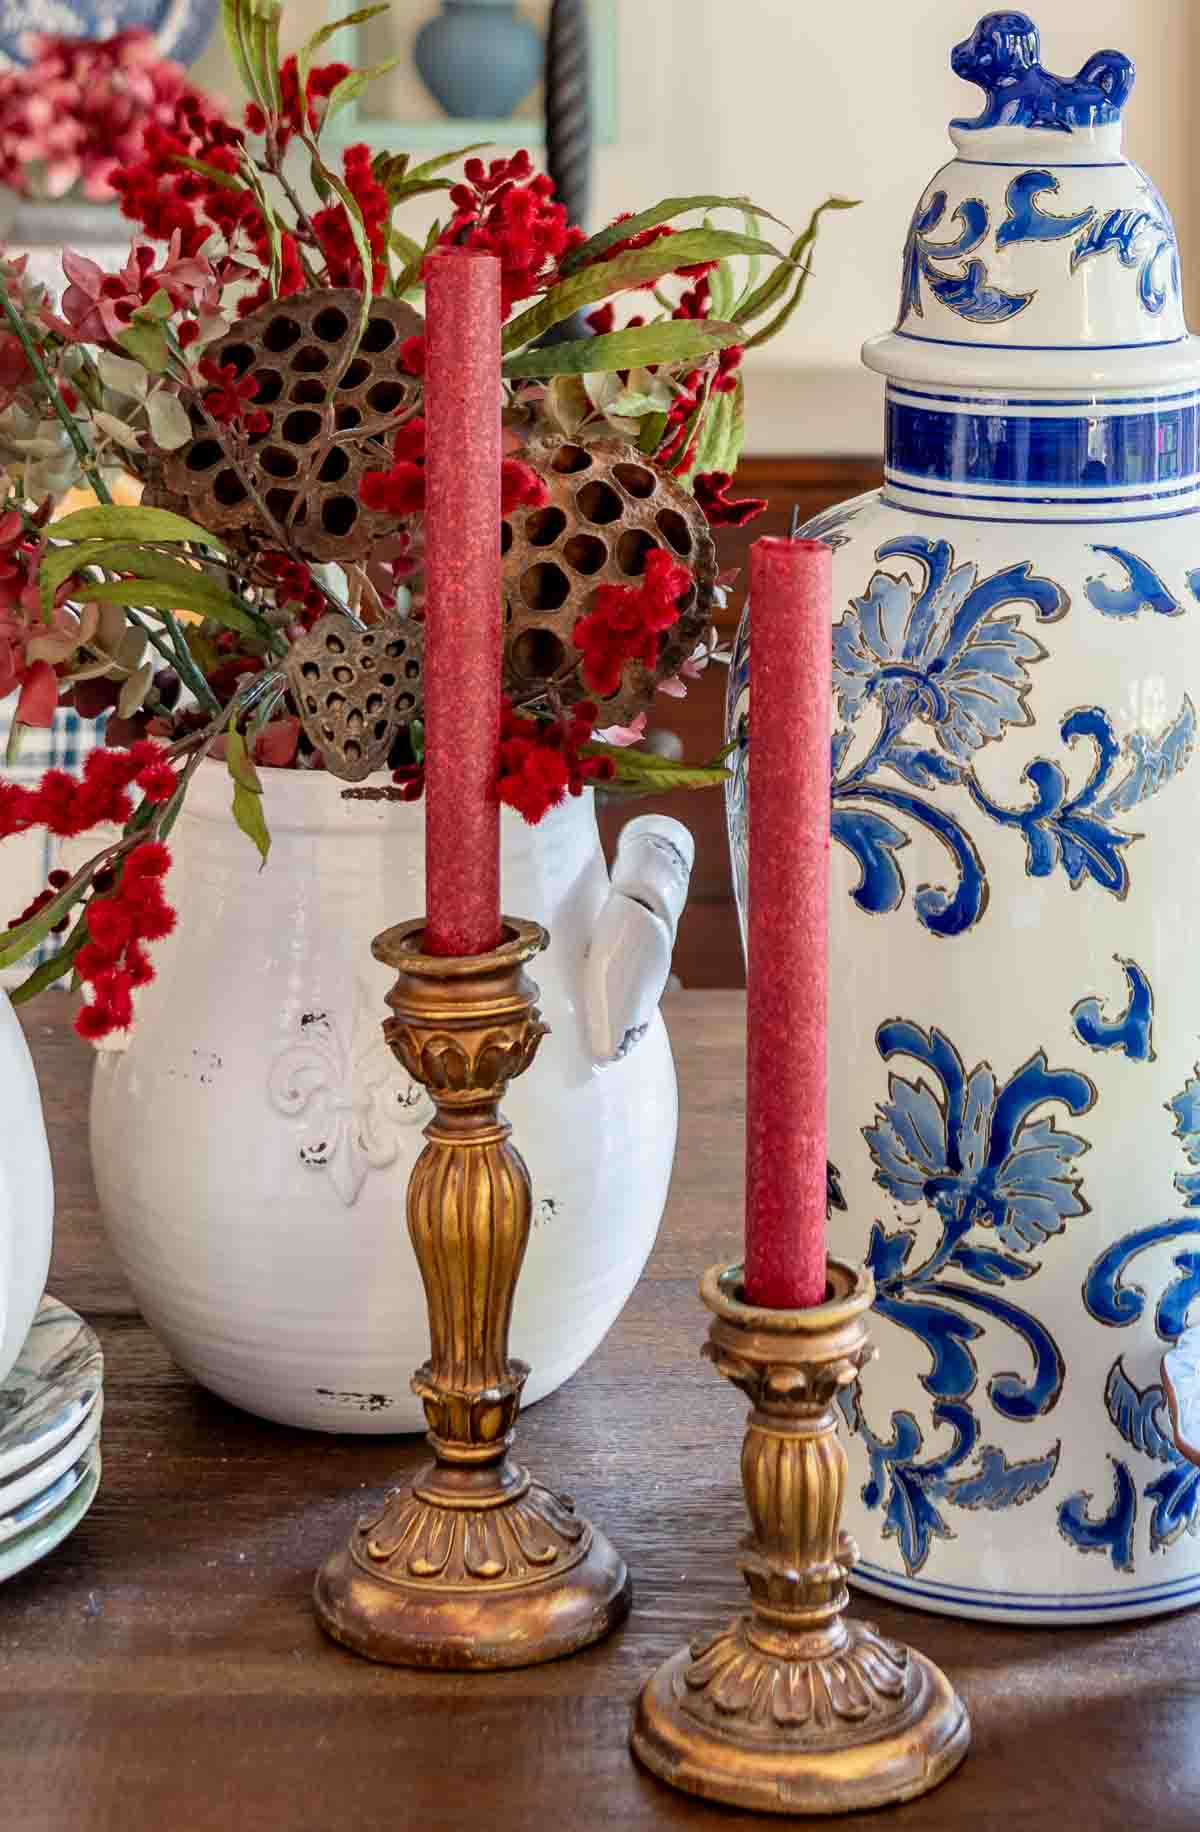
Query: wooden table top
(162, 1669)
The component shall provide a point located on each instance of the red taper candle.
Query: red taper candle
(787, 947)
(463, 614)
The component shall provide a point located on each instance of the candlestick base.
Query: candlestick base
(476, 1566)
(791, 1708)
(494, 1571)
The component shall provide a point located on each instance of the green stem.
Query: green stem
(177, 656)
(83, 451)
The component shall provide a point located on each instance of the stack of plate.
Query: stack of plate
(50, 1411)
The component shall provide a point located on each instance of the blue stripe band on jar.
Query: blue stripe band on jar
(1081, 451)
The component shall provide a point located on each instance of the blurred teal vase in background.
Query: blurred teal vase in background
(479, 58)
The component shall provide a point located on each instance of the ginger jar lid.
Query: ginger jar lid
(1039, 255)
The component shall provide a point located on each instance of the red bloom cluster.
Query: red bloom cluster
(507, 209)
(292, 583)
(696, 302)
(712, 494)
(230, 395)
(164, 196)
(23, 631)
(520, 487)
(113, 960)
(56, 882)
(410, 780)
(333, 224)
(68, 805)
(677, 448)
(291, 276)
(320, 86)
(626, 621)
(540, 760)
(82, 109)
(401, 491)
(412, 355)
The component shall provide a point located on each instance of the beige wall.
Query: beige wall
(790, 99)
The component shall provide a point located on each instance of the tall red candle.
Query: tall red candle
(463, 616)
(787, 928)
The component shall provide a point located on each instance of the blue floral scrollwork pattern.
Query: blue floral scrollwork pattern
(1026, 219)
(1143, 590)
(986, 1158)
(967, 291)
(947, 653)
(1132, 1031)
(1142, 236)
(1139, 1414)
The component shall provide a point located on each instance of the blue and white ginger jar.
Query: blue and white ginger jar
(1015, 991)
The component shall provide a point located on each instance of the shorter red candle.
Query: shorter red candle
(787, 927)
(463, 615)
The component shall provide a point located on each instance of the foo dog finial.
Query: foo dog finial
(1003, 55)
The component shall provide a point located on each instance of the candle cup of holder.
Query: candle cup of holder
(793, 1708)
(476, 1566)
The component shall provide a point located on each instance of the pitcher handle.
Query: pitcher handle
(629, 958)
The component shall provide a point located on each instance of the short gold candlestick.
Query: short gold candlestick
(793, 1708)
(476, 1566)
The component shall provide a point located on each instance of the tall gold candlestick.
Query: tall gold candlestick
(476, 1566)
(793, 1708)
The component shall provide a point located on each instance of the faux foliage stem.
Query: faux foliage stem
(87, 458)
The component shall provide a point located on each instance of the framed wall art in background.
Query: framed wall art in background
(437, 49)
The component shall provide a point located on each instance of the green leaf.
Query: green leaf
(156, 594)
(122, 375)
(61, 563)
(358, 234)
(264, 52)
(235, 22)
(310, 47)
(148, 344)
(404, 191)
(247, 793)
(439, 164)
(676, 340)
(650, 219)
(775, 286)
(352, 86)
(111, 522)
(754, 264)
(653, 433)
(315, 172)
(624, 271)
(224, 181)
(155, 310)
(644, 771)
(51, 970)
(170, 422)
(270, 220)
(410, 276)
(403, 245)
(721, 432)
(722, 290)
(240, 764)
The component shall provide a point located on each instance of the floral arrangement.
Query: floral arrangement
(256, 366)
(81, 109)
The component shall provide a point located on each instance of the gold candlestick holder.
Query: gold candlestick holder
(793, 1708)
(475, 1566)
